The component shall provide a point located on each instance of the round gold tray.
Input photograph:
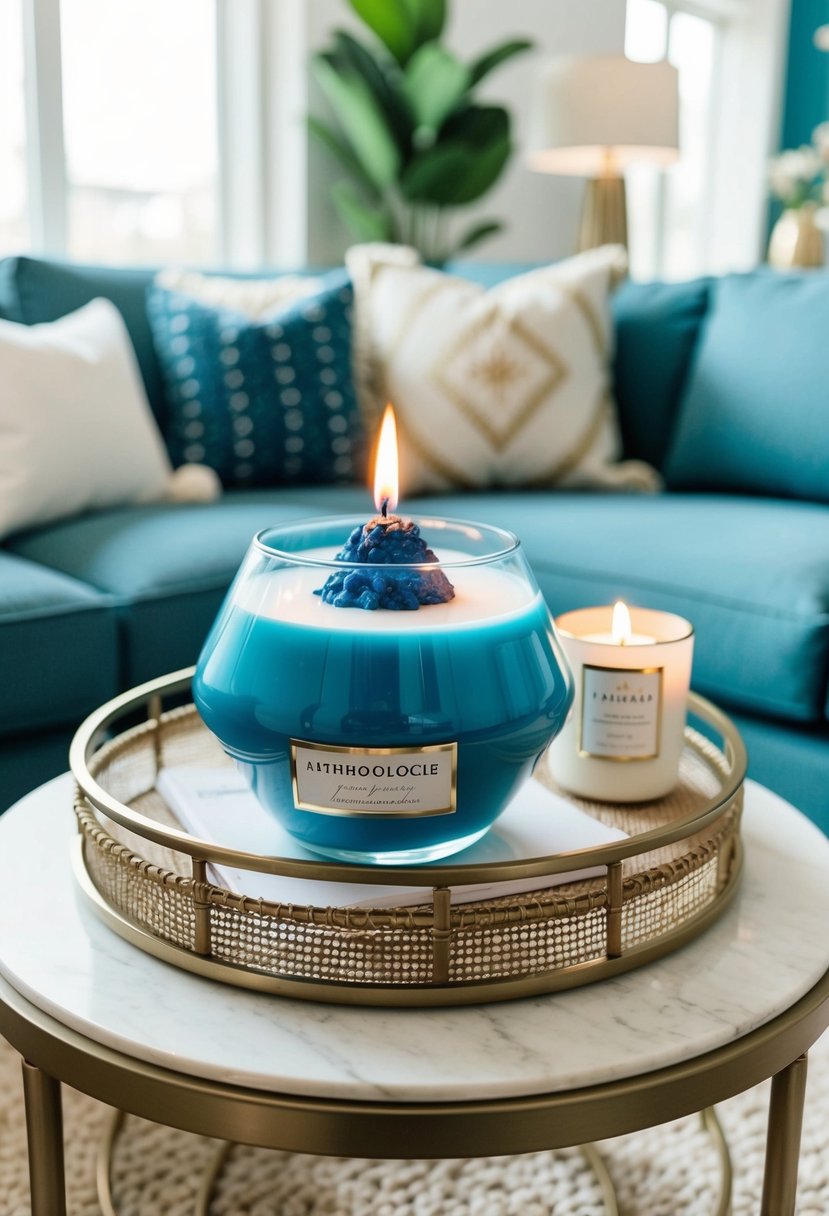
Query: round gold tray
(148, 879)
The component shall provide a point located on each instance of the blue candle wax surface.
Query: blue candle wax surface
(482, 671)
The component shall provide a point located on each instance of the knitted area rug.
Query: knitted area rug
(666, 1171)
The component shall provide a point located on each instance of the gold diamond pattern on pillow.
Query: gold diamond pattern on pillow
(498, 374)
(503, 387)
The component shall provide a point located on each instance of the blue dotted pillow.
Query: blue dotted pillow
(263, 402)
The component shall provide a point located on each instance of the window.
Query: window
(14, 219)
(109, 129)
(672, 229)
(140, 129)
(708, 214)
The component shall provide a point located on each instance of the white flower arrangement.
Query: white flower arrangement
(797, 176)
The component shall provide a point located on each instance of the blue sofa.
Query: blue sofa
(717, 384)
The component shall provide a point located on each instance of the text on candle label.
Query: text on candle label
(365, 781)
(621, 711)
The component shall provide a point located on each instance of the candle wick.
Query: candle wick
(384, 510)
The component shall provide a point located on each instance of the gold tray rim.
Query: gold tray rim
(150, 695)
(400, 994)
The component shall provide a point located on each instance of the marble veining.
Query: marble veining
(767, 950)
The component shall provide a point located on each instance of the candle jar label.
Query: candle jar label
(362, 782)
(621, 711)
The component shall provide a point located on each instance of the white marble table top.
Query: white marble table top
(767, 950)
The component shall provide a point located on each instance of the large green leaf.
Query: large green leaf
(434, 84)
(473, 150)
(426, 179)
(394, 23)
(492, 59)
(363, 122)
(342, 151)
(482, 171)
(385, 81)
(477, 125)
(484, 132)
(431, 18)
(477, 233)
(367, 222)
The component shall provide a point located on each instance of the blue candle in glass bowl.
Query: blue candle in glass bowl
(375, 733)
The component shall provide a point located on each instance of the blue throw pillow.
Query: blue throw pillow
(754, 416)
(263, 402)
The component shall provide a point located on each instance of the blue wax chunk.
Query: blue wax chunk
(387, 541)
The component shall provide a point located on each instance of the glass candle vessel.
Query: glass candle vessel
(384, 736)
(623, 740)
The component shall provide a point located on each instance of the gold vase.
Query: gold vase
(796, 239)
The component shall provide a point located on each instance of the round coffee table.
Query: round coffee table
(742, 1003)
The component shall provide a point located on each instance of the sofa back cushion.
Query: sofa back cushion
(753, 417)
(657, 330)
(657, 326)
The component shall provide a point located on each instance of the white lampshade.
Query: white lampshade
(593, 113)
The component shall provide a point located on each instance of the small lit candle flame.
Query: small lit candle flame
(386, 479)
(620, 626)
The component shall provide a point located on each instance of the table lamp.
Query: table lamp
(592, 117)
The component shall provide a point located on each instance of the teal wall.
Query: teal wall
(806, 87)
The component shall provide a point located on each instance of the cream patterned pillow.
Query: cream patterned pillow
(505, 387)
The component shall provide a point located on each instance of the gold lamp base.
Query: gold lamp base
(604, 219)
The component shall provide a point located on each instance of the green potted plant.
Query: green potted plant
(414, 142)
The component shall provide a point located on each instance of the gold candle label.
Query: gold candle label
(621, 713)
(366, 782)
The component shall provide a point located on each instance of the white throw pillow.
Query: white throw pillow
(76, 429)
(502, 387)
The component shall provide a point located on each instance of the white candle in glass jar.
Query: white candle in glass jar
(632, 672)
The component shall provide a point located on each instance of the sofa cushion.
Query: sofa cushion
(754, 414)
(752, 576)
(263, 400)
(790, 760)
(167, 568)
(28, 759)
(657, 329)
(58, 647)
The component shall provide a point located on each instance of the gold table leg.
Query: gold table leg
(712, 1126)
(788, 1090)
(103, 1169)
(44, 1131)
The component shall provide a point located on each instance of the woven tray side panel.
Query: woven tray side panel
(653, 914)
(283, 947)
(530, 948)
(162, 907)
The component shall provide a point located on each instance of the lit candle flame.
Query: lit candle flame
(386, 479)
(620, 626)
